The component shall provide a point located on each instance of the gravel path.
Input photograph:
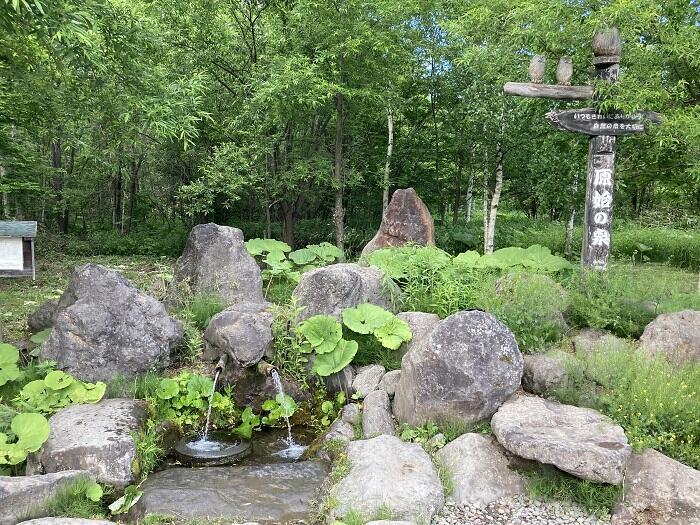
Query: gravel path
(516, 511)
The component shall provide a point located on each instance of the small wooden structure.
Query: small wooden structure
(17, 249)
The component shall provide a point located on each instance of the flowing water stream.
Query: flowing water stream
(203, 444)
(294, 450)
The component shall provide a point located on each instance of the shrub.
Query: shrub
(657, 403)
(203, 308)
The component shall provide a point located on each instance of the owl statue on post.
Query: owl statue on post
(536, 70)
(565, 69)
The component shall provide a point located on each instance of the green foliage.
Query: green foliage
(149, 450)
(203, 307)
(657, 403)
(278, 408)
(288, 356)
(420, 434)
(80, 499)
(249, 421)
(679, 302)
(142, 387)
(30, 430)
(334, 361)
(549, 483)
(184, 399)
(9, 358)
(58, 390)
(131, 496)
(536, 258)
(322, 332)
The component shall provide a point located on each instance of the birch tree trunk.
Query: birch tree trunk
(339, 211)
(5, 195)
(470, 187)
(570, 224)
(489, 238)
(486, 200)
(387, 164)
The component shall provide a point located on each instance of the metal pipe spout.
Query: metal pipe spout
(266, 368)
(221, 363)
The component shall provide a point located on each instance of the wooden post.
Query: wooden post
(597, 221)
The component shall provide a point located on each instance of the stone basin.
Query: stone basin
(271, 493)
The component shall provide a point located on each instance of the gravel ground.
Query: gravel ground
(516, 511)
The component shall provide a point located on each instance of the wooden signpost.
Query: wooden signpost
(604, 130)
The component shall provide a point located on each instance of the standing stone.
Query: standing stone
(341, 381)
(390, 381)
(676, 335)
(386, 472)
(464, 370)
(421, 324)
(480, 470)
(105, 327)
(97, 438)
(376, 414)
(580, 441)
(367, 379)
(43, 317)
(543, 374)
(242, 331)
(659, 490)
(24, 497)
(406, 220)
(331, 289)
(215, 261)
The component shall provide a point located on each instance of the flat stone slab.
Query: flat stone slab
(278, 493)
(580, 441)
(66, 521)
(23, 497)
(97, 438)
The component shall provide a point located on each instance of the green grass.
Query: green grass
(203, 307)
(71, 501)
(143, 387)
(149, 452)
(656, 402)
(545, 482)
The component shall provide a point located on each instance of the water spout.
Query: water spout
(267, 369)
(221, 364)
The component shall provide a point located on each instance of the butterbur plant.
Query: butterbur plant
(282, 406)
(28, 432)
(58, 390)
(9, 358)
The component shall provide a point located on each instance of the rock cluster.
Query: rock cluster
(676, 336)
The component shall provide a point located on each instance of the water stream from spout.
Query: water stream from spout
(293, 450)
(211, 397)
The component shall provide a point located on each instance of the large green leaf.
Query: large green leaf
(322, 331)
(168, 388)
(302, 256)
(32, 430)
(466, 260)
(9, 371)
(325, 251)
(366, 318)
(393, 333)
(260, 246)
(335, 361)
(39, 337)
(57, 380)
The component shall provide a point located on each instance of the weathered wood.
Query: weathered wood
(527, 89)
(590, 122)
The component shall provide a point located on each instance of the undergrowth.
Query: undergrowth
(72, 501)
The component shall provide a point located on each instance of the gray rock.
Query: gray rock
(340, 432)
(389, 382)
(215, 262)
(590, 340)
(367, 379)
(24, 497)
(659, 490)
(406, 220)
(387, 472)
(97, 438)
(464, 370)
(480, 470)
(341, 381)
(331, 289)
(543, 374)
(389, 522)
(350, 413)
(376, 414)
(43, 317)
(421, 324)
(105, 327)
(66, 521)
(580, 441)
(676, 336)
(242, 331)
(272, 493)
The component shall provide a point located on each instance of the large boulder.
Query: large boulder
(43, 317)
(386, 472)
(105, 327)
(676, 336)
(659, 490)
(93, 437)
(421, 325)
(544, 374)
(480, 470)
(580, 441)
(390, 381)
(331, 289)
(242, 331)
(376, 414)
(24, 497)
(216, 262)
(406, 220)
(271, 493)
(464, 370)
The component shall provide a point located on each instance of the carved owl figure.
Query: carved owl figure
(536, 71)
(565, 68)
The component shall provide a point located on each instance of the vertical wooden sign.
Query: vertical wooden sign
(601, 163)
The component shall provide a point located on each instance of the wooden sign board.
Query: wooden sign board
(590, 122)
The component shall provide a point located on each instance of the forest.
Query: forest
(124, 123)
